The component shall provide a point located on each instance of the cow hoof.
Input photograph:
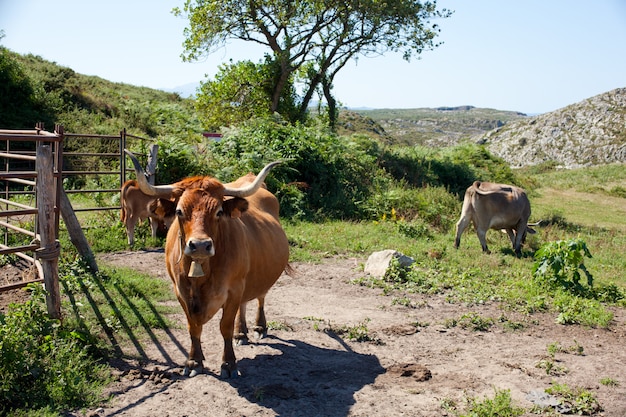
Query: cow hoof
(241, 341)
(191, 372)
(259, 332)
(227, 373)
(192, 369)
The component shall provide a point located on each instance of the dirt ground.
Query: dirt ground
(405, 370)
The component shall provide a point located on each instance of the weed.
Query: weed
(559, 264)
(403, 301)
(551, 367)
(278, 325)
(357, 333)
(609, 382)
(501, 405)
(578, 400)
(474, 321)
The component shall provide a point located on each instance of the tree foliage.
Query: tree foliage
(241, 91)
(312, 38)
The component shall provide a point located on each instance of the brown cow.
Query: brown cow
(137, 206)
(495, 206)
(226, 248)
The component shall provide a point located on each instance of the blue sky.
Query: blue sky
(533, 56)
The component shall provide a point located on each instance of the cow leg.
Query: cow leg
(194, 364)
(482, 237)
(461, 225)
(260, 326)
(227, 325)
(154, 225)
(520, 232)
(511, 234)
(131, 222)
(241, 328)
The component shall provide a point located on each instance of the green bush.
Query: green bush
(559, 263)
(330, 176)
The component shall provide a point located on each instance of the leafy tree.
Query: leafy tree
(314, 38)
(241, 91)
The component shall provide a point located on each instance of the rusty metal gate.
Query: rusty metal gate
(23, 223)
(33, 227)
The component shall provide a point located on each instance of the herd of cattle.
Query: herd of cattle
(225, 245)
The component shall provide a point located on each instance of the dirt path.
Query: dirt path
(301, 370)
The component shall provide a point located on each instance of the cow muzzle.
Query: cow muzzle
(199, 248)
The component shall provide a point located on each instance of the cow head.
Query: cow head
(202, 203)
(163, 210)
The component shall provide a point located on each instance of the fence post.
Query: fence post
(49, 247)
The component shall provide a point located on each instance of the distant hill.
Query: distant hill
(591, 132)
(442, 126)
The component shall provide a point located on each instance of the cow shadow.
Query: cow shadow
(317, 381)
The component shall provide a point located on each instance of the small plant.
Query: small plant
(403, 301)
(609, 382)
(357, 333)
(559, 264)
(551, 367)
(554, 348)
(278, 325)
(448, 404)
(501, 405)
(316, 322)
(578, 400)
(475, 322)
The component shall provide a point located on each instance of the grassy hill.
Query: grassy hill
(35, 90)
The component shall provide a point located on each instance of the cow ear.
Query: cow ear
(233, 207)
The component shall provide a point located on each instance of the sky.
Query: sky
(532, 56)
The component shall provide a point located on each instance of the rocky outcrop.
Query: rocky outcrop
(591, 132)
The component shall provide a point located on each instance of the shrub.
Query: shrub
(559, 263)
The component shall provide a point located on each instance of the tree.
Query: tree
(312, 38)
(239, 92)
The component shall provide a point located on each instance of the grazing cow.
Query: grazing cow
(225, 248)
(495, 206)
(137, 206)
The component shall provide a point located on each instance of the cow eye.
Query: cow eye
(219, 213)
(179, 212)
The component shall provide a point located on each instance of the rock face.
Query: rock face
(591, 132)
(378, 262)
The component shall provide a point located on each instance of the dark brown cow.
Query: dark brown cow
(137, 206)
(226, 248)
(495, 206)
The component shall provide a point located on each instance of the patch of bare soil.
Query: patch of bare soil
(21, 271)
(304, 369)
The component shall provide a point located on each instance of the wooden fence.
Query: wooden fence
(45, 185)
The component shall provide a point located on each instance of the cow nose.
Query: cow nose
(200, 247)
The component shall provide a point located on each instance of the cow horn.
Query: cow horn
(251, 188)
(161, 191)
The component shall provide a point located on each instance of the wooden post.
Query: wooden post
(49, 247)
(76, 232)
